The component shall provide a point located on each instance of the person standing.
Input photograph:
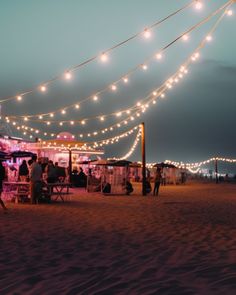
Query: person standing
(35, 180)
(2, 176)
(157, 182)
(23, 171)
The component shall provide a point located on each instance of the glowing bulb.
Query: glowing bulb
(185, 37)
(159, 56)
(83, 122)
(198, 5)
(61, 123)
(25, 119)
(128, 112)
(126, 80)
(162, 95)
(102, 118)
(229, 12)
(72, 122)
(113, 87)
(138, 104)
(40, 117)
(68, 75)
(48, 123)
(154, 102)
(209, 38)
(51, 115)
(19, 97)
(63, 112)
(77, 106)
(147, 33)
(43, 88)
(118, 114)
(104, 57)
(95, 98)
(144, 67)
(197, 54)
(154, 93)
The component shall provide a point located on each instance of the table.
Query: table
(59, 187)
(17, 189)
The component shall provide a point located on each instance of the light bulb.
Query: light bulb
(68, 75)
(198, 5)
(77, 106)
(113, 87)
(185, 37)
(147, 34)
(126, 80)
(144, 67)
(104, 57)
(19, 97)
(43, 88)
(63, 112)
(95, 98)
(229, 12)
(159, 56)
(209, 38)
(51, 115)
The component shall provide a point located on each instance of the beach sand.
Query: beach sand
(182, 242)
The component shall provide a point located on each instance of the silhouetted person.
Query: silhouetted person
(127, 185)
(23, 171)
(35, 180)
(157, 182)
(2, 176)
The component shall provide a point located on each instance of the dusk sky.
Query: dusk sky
(42, 39)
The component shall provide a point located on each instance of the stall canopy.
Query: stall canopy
(21, 154)
(164, 165)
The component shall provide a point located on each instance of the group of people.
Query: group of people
(32, 172)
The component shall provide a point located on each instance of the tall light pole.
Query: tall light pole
(143, 160)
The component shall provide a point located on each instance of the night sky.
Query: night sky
(42, 39)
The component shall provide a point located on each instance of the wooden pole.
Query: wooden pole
(216, 170)
(143, 160)
(70, 166)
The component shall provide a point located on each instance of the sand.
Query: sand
(183, 242)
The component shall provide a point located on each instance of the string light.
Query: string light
(103, 56)
(209, 38)
(198, 5)
(159, 56)
(68, 75)
(185, 37)
(229, 12)
(147, 34)
(19, 97)
(113, 87)
(182, 69)
(43, 88)
(145, 66)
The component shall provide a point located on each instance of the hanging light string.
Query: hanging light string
(133, 147)
(103, 56)
(196, 165)
(124, 77)
(91, 145)
(142, 107)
